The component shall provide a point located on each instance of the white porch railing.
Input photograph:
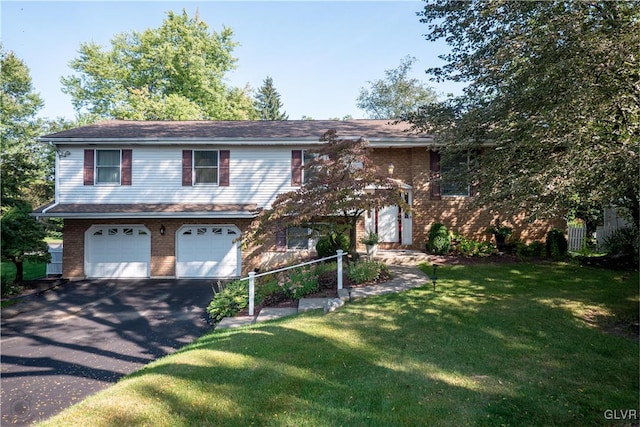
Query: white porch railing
(252, 276)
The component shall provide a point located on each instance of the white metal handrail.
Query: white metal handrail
(252, 275)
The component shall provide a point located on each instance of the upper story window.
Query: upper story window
(307, 173)
(108, 166)
(205, 167)
(201, 167)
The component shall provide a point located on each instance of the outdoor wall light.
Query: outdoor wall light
(390, 168)
(162, 230)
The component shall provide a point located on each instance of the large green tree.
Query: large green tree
(174, 72)
(553, 101)
(341, 183)
(268, 102)
(396, 94)
(25, 165)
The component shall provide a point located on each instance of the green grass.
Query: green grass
(32, 271)
(520, 345)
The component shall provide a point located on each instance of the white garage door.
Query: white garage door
(208, 251)
(117, 251)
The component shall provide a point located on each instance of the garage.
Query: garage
(117, 251)
(208, 251)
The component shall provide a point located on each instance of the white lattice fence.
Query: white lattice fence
(577, 236)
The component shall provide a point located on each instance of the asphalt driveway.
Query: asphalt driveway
(84, 336)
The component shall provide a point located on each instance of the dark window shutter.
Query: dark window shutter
(187, 175)
(281, 239)
(434, 174)
(126, 167)
(224, 168)
(296, 168)
(88, 166)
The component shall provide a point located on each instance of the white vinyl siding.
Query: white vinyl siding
(257, 175)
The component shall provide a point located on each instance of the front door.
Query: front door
(392, 224)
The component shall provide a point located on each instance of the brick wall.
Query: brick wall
(411, 165)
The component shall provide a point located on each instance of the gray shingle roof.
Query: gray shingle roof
(256, 129)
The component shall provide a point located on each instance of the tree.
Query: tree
(268, 102)
(175, 72)
(25, 165)
(22, 238)
(553, 101)
(341, 183)
(396, 94)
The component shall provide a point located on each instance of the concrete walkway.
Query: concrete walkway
(403, 278)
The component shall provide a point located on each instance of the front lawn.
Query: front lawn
(521, 344)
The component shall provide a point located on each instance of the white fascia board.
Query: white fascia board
(206, 215)
(183, 141)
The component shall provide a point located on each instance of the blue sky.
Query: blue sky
(319, 54)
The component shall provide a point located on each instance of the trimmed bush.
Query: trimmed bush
(328, 245)
(557, 245)
(439, 239)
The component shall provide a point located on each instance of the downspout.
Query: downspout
(55, 182)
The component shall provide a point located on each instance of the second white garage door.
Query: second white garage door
(207, 251)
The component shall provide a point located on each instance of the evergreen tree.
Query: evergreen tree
(268, 102)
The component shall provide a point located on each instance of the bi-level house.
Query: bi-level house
(172, 199)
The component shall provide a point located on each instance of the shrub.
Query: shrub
(557, 245)
(269, 291)
(533, 249)
(300, 282)
(469, 248)
(229, 300)
(623, 242)
(439, 239)
(328, 245)
(366, 271)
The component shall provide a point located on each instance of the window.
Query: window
(298, 238)
(107, 166)
(205, 167)
(306, 158)
(455, 176)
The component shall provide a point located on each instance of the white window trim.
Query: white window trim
(193, 169)
(95, 168)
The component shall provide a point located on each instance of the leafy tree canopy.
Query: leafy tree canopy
(396, 94)
(553, 91)
(174, 72)
(268, 102)
(25, 165)
(341, 183)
